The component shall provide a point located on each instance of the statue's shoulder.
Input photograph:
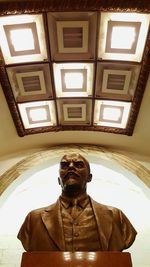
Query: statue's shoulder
(104, 206)
(39, 211)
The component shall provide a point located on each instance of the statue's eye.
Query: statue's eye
(79, 164)
(64, 165)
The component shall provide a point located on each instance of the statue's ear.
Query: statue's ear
(59, 180)
(89, 178)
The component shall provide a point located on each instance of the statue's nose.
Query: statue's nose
(71, 165)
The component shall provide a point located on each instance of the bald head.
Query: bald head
(74, 174)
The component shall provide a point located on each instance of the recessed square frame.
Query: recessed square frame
(48, 106)
(111, 24)
(82, 115)
(119, 17)
(71, 17)
(88, 72)
(127, 77)
(83, 26)
(83, 72)
(25, 75)
(103, 69)
(35, 22)
(100, 106)
(28, 70)
(85, 106)
(23, 26)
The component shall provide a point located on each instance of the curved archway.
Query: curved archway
(117, 163)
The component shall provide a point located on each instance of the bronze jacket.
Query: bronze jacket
(42, 229)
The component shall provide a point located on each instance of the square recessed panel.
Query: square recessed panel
(116, 81)
(22, 38)
(30, 82)
(72, 36)
(37, 114)
(122, 36)
(73, 79)
(74, 112)
(111, 113)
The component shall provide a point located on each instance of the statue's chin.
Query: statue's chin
(72, 190)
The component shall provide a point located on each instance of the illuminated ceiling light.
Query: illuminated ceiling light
(38, 114)
(122, 37)
(73, 80)
(22, 39)
(111, 113)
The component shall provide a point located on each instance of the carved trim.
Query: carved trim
(67, 5)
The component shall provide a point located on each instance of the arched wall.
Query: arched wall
(11, 248)
(53, 154)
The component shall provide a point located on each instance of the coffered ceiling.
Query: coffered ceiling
(69, 66)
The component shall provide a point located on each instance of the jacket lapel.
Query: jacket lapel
(104, 222)
(52, 219)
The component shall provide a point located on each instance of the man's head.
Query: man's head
(74, 174)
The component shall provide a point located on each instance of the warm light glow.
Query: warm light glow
(38, 114)
(74, 80)
(122, 37)
(22, 39)
(91, 256)
(111, 114)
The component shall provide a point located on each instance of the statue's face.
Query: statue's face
(74, 173)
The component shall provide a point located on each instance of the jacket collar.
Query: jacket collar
(104, 221)
(51, 217)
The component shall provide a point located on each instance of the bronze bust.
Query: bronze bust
(76, 222)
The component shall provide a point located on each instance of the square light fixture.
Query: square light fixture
(37, 114)
(116, 81)
(74, 112)
(30, 82)
(111, 113)
(122, 36)
(72, 36)
(73, 79)
(22, 38)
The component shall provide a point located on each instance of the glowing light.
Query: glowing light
(22, 39)
(38, 114)
(74, 80)
(122, 37)
(111, 113)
